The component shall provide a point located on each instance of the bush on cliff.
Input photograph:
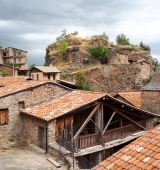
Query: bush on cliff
(122, 40)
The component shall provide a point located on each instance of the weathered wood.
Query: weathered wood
(131, 120)
(117, 111)
(86, 121)
(56, 164)
(108, 122)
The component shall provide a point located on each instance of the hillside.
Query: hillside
(126, 68)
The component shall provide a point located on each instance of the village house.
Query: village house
(45, 73)
(90, 126)
(20, 95)
(15, 56)
(143, 153)
(151, 94)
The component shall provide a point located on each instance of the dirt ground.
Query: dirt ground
(20, 154)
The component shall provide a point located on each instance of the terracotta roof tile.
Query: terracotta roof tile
(133, 98)
(4, 81)
(146, 156)
(16, 87)
(64, 104)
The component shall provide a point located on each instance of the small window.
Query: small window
(19, 53)
(4, 117)
(4, 54)
(37, 76)
(48, 76)
(21, 105)
(32, 76)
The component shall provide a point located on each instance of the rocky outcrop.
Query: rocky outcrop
(126, 69)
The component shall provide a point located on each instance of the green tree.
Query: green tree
(144, 46)
(99, 52)
(62, 47)
(4, 73)
(32, 65)
(1, 47)
(62, 36)
(46, 63)
(122, 40)
(82, 82)
(8, 63)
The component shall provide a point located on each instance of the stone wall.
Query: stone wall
(31, 97)
(151, 101)
(7, 68)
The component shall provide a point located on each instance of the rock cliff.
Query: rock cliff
(127, 68)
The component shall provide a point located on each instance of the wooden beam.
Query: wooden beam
(117, 111)
(86, 121)
(108, 122)
(131, 120)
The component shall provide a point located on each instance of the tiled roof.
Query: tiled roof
(133, 98)
(154, 84)
(143, 153)
(64, 104)
(47, 69)
(13, 88)
(4, 81)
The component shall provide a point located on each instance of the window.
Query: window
(48, 76)
(19, 53)
(4, 54)
(4, 117)
(37, 76)
(32, 76)
(21, 105)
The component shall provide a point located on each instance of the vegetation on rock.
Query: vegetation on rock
(81, 82)
(122, 40)
(62, 47)
(46, 63)
(144, 46)
(1, 47)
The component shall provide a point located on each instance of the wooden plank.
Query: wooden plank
(117, 111)
(108, 122)
(86, 121)
(131, 120)
(56, 164)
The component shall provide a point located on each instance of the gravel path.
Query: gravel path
(30, 158)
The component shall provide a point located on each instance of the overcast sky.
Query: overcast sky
(34, 24)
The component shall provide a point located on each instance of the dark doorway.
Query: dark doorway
(41, 137)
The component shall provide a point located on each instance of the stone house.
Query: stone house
(15, 56)
(89, 125)
(151, 94)
(143, 153)
(20, 95)
(45, 73)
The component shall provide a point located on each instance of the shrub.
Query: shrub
(1, 47)
(8, 63)
(122, 40)
(82, 82)
(46, 63)
(65, 75)
(62, 47)
(144, 46)
(11, 139)
(4, 73)
(99, 52)
(101, 36)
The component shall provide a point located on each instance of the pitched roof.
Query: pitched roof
(16, 87)
(73, 101)
(4, 81)
(47, 69)
(133, 98)
(143, 153)
(64, 104)
(154, 84)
